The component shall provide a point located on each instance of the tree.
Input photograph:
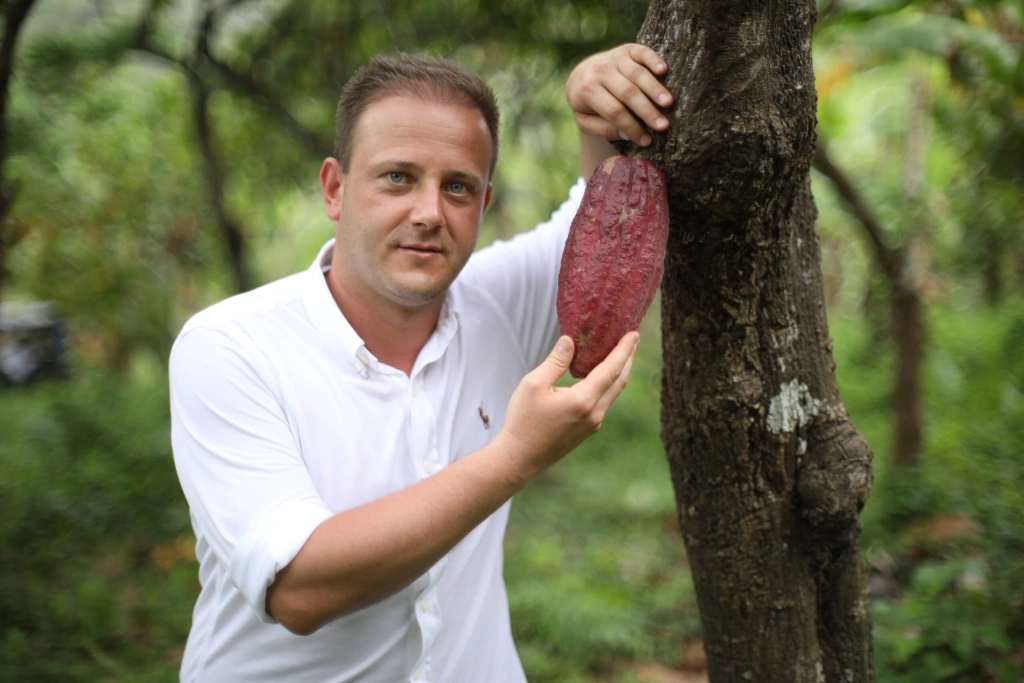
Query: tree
(906, 315)
(980, 46)
(770, 474)
(15, 12)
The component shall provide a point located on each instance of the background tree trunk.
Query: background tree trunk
(769, 473)
(906, 315)
(14, 14)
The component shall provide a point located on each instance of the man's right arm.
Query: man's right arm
(361, 556)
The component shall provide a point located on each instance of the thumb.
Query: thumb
(557, 362)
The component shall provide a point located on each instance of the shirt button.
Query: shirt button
(428, 466)
(418, 675)
(415, 390)
(424, 606)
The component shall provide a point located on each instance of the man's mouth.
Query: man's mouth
(424, 251)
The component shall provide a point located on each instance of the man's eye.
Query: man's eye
(459, 188)
(396, 176)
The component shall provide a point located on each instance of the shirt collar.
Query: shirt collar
(328, 319)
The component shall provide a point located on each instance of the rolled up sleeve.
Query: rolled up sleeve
(249, 491)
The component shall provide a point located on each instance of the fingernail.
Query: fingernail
(622, 136)
(645, 140)
(664, 98)
(662, 122)
(563, 345)
(636, 339)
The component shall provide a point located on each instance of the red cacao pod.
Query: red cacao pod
(614, 258)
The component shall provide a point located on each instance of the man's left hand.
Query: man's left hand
(607, 91)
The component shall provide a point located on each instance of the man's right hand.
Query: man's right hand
(544, 422)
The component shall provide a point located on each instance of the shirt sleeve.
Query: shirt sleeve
(250, 494)
(521, 275)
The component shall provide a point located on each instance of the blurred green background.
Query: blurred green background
(161, 156)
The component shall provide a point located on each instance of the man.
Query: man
(348, 438)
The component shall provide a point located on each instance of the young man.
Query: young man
(348, 438)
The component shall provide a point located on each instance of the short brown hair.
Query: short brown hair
(431, 79)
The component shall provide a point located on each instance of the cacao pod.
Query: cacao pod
(614, 258)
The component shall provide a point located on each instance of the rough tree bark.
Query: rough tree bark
(770, 475)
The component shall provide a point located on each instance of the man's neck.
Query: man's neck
(393, 334)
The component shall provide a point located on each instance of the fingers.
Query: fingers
(616, 388)
(556, 364)
(619, 87)
(603, 378)
(595, 125)
(648, 57)
(630, 96)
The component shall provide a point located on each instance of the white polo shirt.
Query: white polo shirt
(282, 418)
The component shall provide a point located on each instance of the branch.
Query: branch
(830, 8)
(244, 81)
(146, 24)
(231, 231)
(283, 24)
(239, 81)
(888, 257)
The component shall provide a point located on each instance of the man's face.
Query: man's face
(410, 206)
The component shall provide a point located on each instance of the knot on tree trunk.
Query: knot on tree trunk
(833, 482)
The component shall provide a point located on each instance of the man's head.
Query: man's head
(430, 79)
(409, 182)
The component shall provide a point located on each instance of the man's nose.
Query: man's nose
(426, 212)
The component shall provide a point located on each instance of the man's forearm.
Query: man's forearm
(361, 556)
(593, 150)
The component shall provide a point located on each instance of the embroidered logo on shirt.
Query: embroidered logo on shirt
(483, 416)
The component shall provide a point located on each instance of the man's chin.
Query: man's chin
(417, 295)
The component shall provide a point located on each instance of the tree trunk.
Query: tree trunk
(15, 13)
(231, 232)
(908, 333)
(907, 318)
(769, 473)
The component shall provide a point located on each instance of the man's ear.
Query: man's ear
(332, 180)
(487, 197)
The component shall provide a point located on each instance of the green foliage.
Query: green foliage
(970, 58)
(114, 220)
(955, 525)
(950, 627)
(87, 492)
(112, 209)
(594, 565)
